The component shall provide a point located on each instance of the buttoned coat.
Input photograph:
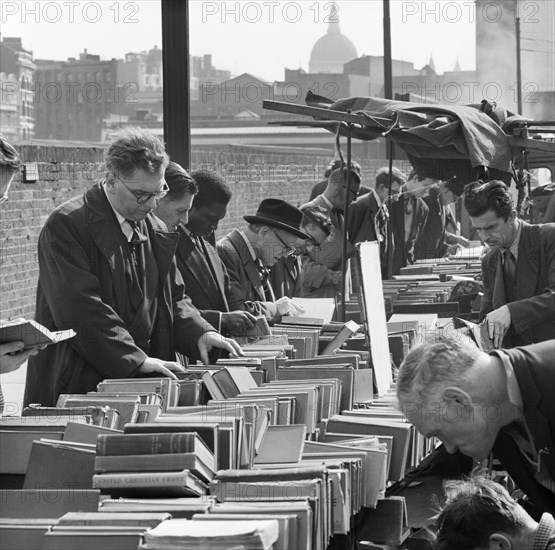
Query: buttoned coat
(245, 282)
(83, 286)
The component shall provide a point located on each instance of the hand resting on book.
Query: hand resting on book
(12, 355)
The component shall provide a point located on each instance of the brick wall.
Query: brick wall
(67, 171)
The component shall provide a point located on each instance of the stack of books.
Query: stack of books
(153, 464)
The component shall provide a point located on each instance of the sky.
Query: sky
(260, 37)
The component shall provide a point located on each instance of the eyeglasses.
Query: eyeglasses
(311, 243)
(143, 197)
(288, 248)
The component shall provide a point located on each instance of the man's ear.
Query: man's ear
(110, 180)
(498, 541)
(455, 395)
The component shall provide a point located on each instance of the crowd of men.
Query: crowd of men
(132, 266)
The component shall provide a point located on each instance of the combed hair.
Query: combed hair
(382, 177)
(434, 365)
(318, 216)
(179, 181)
(480, 196)
(212, 188)
(135, 149)
(9, 157)
(476, 509)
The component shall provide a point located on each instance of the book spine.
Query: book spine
(145, 463)
(136, 480)
(147, 444)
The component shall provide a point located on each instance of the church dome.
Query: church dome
(332, 51)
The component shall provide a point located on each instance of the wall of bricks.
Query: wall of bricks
(67, 171)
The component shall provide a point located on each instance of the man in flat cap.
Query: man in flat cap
(249, 254)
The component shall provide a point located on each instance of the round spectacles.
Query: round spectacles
(143, 197)
(288, 248)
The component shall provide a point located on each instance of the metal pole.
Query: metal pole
(518, 68)
(387, 63)
(390, 247)
(343, 308)
(175, 56)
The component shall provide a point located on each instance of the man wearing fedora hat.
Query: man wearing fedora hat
(249, 254)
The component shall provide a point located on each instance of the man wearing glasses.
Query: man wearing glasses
(249, 254)
(107, 270)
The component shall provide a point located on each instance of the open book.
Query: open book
(31, 333)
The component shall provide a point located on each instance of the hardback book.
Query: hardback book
(154, 444)
(178, 507)
(86, 433)
(92, 540)
(127, 406)
(174, 462)
(281, 444)
(60, 464)
(348, 329)
(101, 415)
(130, 519)
(15, 448)
(31, 333)
(207, 431)
(154, 484)
(233, 380)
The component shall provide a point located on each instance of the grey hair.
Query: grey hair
(434, 365)
(136, 149)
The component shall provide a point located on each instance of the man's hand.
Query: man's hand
(237, 322)
(286, 306)
(452, 249)
(498, 322)
(332, 277)
(210, 340)
(12, 355)
(165, 368)
(459, 239)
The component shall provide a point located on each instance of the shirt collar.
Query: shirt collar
(328, 203)
(545, 532)
(249, 245)
(515, 397)
(124, 224)
(377, 197)
(516, 241)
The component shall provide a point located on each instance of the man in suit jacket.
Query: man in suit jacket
(322, 267)
(435, 240)
(408, 218)
(249, 254)
(518, 270)
(205, 277)
(107, 270)
(479, 403)
(369, 215)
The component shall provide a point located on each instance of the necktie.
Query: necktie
(509, 267)
(336, 217)
(263, 271)
(137, 238)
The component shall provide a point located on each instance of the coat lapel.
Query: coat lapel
(247, 262)
(527, 266)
